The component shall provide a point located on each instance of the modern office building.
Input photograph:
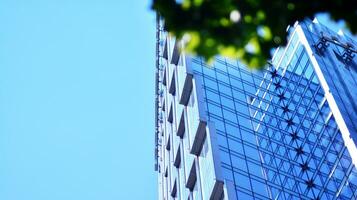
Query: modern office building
(287, 132)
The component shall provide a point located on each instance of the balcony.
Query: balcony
(186, 90)
(172, 89)
(164, 54)
(170, 117)
(174, 189)
(217, 191)
(192, 177)
(181, 125)
(199, 139)
(164, 77)
(176, 142)
(168, 143)
(177, 160)
(176, 53)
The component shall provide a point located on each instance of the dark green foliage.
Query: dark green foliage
(245, 29)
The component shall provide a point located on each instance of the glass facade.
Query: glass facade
(287, 132)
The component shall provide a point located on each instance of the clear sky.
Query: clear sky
(77, 100)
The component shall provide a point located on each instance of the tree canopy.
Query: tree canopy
(244, 29)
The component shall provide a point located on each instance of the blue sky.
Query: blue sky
(77, 100)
